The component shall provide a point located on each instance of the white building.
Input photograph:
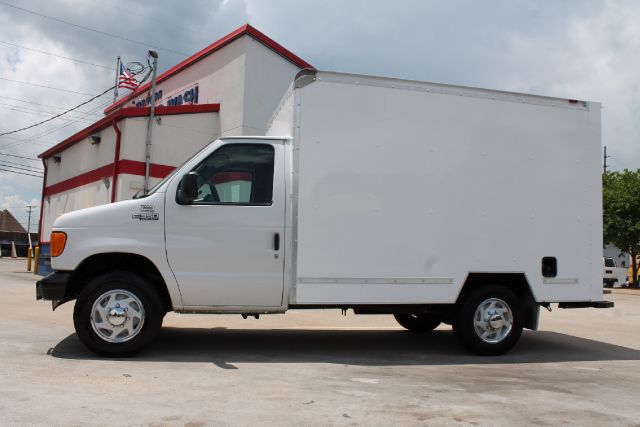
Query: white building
(232, 87)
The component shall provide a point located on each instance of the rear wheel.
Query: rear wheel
(489, 321)
(118, 314)
(417, 322)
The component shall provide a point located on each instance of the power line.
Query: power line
(35, 169)
(44, 86)
(9, 140)
(56, 55)
(54, 129)
(19, 142)
(21, 173)
(18, 167)
(40, 104)
(104, 33)
(51, 130)
(20, 157)
(71, 121)
(57, 115)
(34, 113)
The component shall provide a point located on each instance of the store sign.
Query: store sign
(141, 103)
(186, 97)
(189, 96)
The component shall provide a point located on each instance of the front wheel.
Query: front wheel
(489, 321)
(417, 322)
(118, 314)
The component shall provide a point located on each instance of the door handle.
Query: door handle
(276, 242)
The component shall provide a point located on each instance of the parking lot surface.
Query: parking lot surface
(316, 368)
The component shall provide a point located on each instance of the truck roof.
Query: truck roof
(307, 76)
(255, 137)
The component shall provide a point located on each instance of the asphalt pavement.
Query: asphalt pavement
(316, 368)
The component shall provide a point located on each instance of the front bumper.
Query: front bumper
(53, 287)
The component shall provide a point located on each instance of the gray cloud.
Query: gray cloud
(575, 49)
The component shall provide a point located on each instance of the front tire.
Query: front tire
(418, 323)
(118, 314)
(489, 321)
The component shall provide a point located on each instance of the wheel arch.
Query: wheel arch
(97, 264)
(516, 282)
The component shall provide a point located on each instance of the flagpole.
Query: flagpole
(115, 90)
(152, 104)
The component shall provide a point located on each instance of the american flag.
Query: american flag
(126, 79)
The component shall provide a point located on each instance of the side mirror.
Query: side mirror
(188, 190)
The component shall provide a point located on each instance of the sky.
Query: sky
(577, 49)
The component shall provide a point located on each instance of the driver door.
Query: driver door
(224, 248)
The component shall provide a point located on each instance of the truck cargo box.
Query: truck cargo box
(404, 189)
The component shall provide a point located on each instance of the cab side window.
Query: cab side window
(237, 174)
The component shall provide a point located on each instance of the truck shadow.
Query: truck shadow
(225, 347)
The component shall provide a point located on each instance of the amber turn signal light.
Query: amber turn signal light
(58, 240)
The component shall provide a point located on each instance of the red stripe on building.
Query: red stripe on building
(134, 167)
(131, 167)
(77, 181)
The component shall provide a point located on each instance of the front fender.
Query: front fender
(129, 227)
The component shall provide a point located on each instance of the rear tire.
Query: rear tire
(118, 314)
(489, 321)
(418, 323)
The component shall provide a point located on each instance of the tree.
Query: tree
(621, 205)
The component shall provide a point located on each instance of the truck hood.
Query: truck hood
(114, 214)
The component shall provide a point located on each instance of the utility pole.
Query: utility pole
(30, 209)
(604, 166)
(152, 104)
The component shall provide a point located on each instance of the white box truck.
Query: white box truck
(429, 202)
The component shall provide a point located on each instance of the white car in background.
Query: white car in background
(609, 277)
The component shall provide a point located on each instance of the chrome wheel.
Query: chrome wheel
(117, 316)
(493, 320)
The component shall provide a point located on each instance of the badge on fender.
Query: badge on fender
(147, 213)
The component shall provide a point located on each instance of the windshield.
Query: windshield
(609, 262)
